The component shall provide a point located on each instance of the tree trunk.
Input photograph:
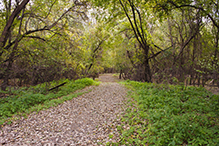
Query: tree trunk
(199, 79)
(120, 75)
(147, 66)
(147, 72)
(12, 55)
(6, 32)
(215, 74)
(7, 73)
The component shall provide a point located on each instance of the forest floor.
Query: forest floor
(89, 119)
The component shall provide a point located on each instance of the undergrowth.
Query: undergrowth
(26, 100)
(170, 115)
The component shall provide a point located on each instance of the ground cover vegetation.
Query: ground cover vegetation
(161, 114)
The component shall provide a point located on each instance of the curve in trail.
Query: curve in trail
(85, 120)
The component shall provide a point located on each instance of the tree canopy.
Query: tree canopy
(151, 41)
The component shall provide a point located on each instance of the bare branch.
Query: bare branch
(36, 37)
(154, 55)
(50, 9)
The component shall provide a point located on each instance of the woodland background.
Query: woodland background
(162, 41)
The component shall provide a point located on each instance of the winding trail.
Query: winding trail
(86, 120)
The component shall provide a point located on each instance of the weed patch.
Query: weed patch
(170, 115)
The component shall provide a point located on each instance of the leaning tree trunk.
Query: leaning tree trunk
(6, 32)
(14, 50)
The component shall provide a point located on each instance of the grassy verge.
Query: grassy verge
(26, 100)
(170, 115)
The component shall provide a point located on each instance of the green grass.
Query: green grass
(26, 100)
(170, 115)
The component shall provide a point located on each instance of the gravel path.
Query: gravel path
(86, 120)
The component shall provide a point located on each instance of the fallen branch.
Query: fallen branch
(56, 87)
